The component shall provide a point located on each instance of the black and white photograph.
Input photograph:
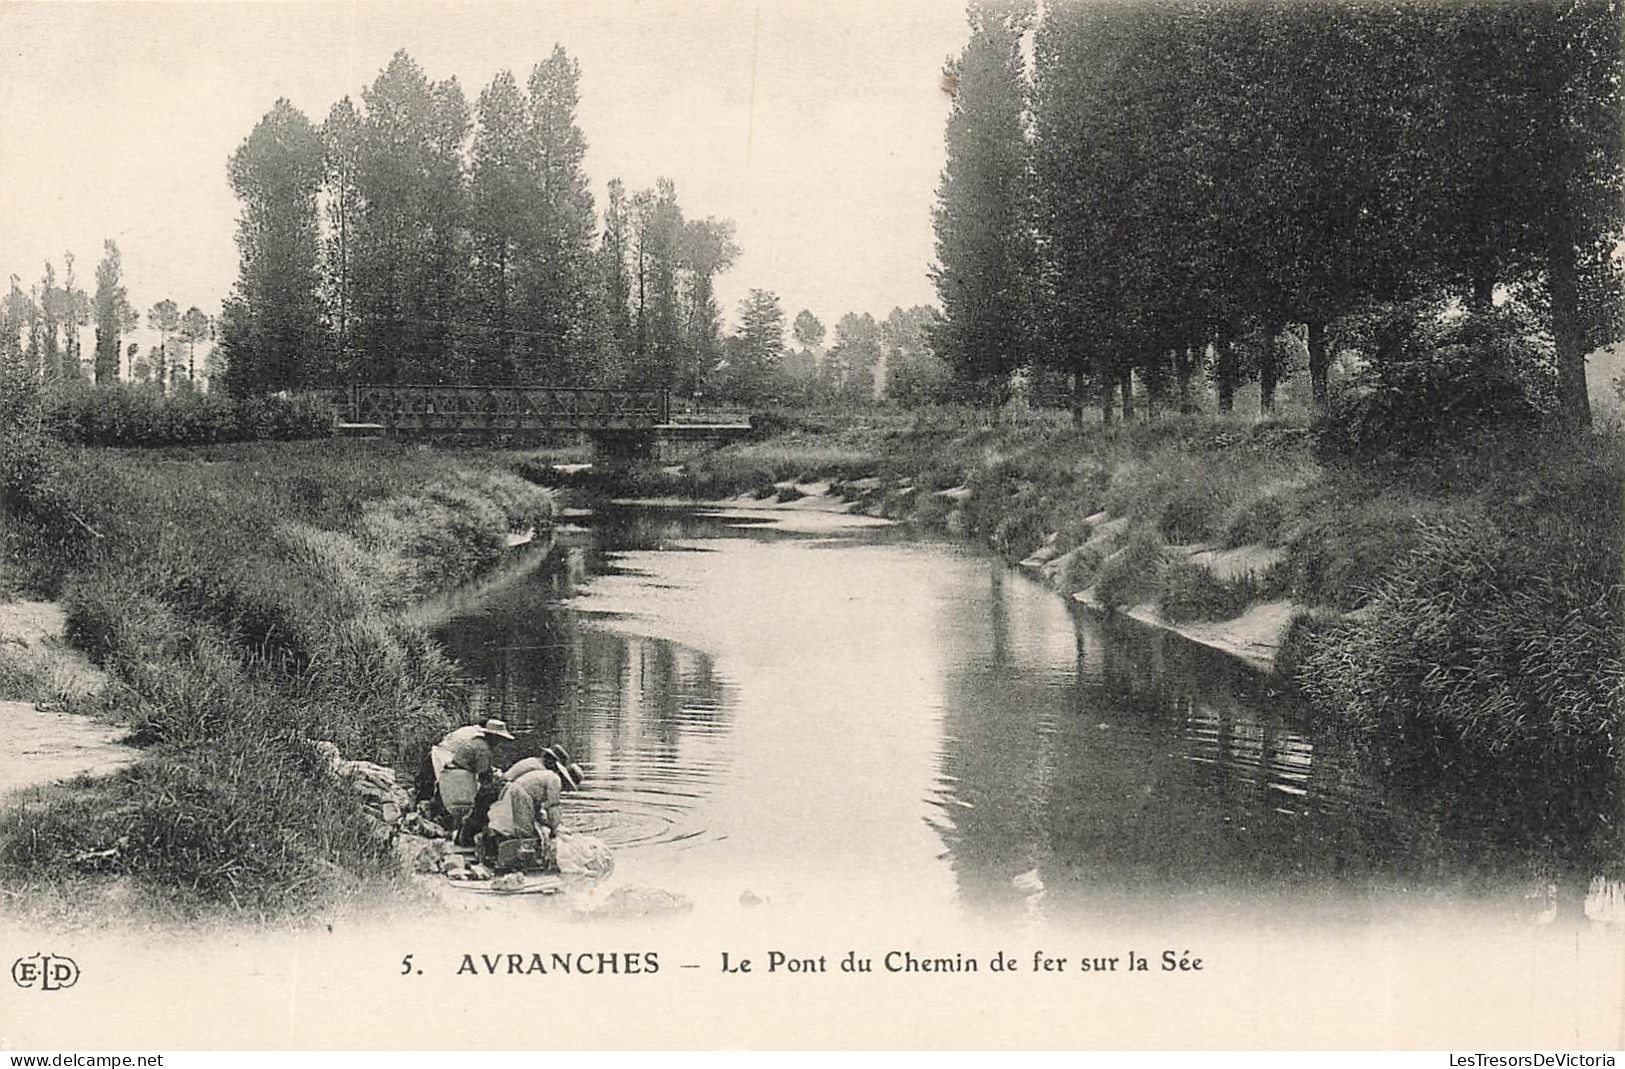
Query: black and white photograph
(794, 525)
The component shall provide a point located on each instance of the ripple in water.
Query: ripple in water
(626, 817)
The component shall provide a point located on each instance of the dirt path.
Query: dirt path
(39, 746)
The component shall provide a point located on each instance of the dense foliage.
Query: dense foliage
(1216, 184)
(121, 414)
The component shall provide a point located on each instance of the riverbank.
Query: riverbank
(243, 602)
(1472, 603)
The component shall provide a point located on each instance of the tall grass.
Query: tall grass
(1474, 638)
(247, 603)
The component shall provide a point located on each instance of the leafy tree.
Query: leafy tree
(914, 374)
(986, 271)
(801, 364)
(559, 277)
(852, 361)
(614, 274)
(272, 324)
(409, 256)
(708, 249)
(75, 314)
(341, 147)
(51, 312)
(115, 315)
(502, 220)
(658, 229)
(194, 327)
(165, 318)
(754, 360)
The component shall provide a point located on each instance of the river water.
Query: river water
(801, 707)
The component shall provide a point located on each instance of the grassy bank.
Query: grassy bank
(1471, 603)
(247, 600)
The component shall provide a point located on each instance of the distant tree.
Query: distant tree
(754, 361)
(75, 310)
(559, 278)
(165, 318)
(17, 315)
(271, 327)
(341, 145)
(214, 366)
(852, 361)
(409, 255)
(913, 373)
(658, 229)
(801, 364)
(51, 312)
(131, 353)
(616, 280)
(987, 267)
(708, 249)
(194, 327)
(503, 222)
(114, 314)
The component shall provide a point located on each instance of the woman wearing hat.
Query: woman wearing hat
(528, 807)
(465, 779)
(553, 757)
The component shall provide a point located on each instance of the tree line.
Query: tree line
(1151, 191)
(415, 238)
(418, 238)
(42, 330)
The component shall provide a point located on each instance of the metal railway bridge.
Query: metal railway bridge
(623, 422)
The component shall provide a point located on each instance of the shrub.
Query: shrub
(1261, 518)
(1434, 388)
(1188, 591)
(1129, 576)
(127, 414)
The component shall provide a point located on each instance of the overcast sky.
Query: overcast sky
(816, 125)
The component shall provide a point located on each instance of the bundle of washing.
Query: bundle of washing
(582, 855)
(383, 797)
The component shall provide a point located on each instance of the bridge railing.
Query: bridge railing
(412, 409)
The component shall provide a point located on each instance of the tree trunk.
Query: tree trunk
(1483, 296)
(1108, 396)
(1269, 369)
(1126, 378)
(1156, 386)
(1224, 372)
(1077, 397)
(1568, 332)
(1184, 368)
(1319, 364)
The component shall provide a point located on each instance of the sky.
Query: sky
(816, 125)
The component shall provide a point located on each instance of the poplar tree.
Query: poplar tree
(271, 328)
(114, 315)
(501, 218)
(986, 270)
(341, 144)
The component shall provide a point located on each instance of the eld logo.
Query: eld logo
(48, 972)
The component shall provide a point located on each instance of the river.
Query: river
(800, 707)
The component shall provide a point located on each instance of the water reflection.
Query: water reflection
(854, 709)
(645, 716)
(1137, 768)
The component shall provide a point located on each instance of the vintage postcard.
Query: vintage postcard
(788, 524)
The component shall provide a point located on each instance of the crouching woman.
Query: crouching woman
(528, 809)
